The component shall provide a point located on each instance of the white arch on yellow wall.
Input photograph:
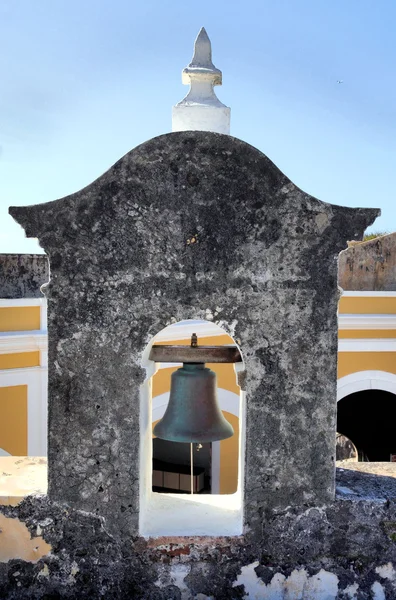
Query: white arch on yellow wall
(366, 380)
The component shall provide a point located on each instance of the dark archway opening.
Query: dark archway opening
(368, 419)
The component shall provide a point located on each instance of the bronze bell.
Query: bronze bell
(193, 413)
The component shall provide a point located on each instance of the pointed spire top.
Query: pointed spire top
(202, 51)
(201, 110)
(201, 65)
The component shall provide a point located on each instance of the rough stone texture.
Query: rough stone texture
(22, 275)
(376, 480)
(369, 265)
(324, 553)
(189, 225)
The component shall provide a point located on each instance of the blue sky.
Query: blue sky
(84, 81)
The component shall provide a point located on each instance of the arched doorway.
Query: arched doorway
(366, 405)
(368, 419)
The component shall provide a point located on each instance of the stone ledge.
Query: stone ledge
(22, 476)
(366, 481)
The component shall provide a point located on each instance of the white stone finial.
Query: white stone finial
(201, 109)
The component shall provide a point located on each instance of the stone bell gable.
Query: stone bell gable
(191, 225)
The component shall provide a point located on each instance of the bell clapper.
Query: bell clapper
(192, 468)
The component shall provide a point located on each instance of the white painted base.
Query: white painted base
(182, 514)
(200, 117)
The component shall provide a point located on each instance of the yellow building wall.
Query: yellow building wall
(20, 318)
(366, 333)
(229, 455)
(361, 305)
(19, 360)
(351, 362)
(13, 419)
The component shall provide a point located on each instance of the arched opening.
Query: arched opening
(165, 465)
(367, 418)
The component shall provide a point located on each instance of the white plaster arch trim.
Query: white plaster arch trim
(366, 380)
(366, 322)
(367, 345)
(36, 380)
(228, 401)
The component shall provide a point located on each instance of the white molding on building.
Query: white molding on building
(366, 321)
(367, 345)
(13, 302)
(23, 341)
(366, 380)
(36, 380)
(367, 294)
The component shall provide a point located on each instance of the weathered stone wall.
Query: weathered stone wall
(194, 225)
(22, 275)
(123, 266)
(339, 551)
(369, 265)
